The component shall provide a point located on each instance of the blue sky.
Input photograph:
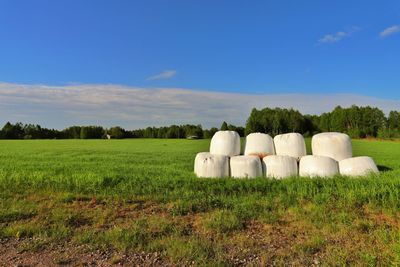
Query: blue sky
(253, 48)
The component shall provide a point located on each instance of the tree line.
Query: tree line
(358, 122)
(30, 131)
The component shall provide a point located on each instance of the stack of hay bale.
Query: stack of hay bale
(334, 152)
(283, 156)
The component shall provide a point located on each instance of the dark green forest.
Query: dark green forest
(358, 122)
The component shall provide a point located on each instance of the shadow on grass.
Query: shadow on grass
(382, 168)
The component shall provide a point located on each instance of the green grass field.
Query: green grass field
(140, 195)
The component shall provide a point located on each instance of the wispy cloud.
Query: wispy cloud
(166, 74)
(338, 36)
(133, 107)
(390, 31)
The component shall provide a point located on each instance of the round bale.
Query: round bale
(259, 144)
(290, 144)
(225, 143)
(334, 145)
(209, 165)
(279, 167)
(358, 166)
(246, 167)
(318, 166)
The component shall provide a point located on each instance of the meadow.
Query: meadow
(140, 197)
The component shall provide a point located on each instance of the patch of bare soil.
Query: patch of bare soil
(258, 245)
(13, 252)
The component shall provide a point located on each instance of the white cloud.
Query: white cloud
(338, 36)
(390, 31)
(332, 38)
(133, 107)
(166, 74)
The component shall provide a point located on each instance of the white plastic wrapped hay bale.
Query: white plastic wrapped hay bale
(320, 166)
(209, 165)
(225, 143)
(246, 167)
(279, 167)
(334, 145)
(358, 166)
(290, 144)
(259, 144)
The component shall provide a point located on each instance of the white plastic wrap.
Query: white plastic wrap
(290, 144)
(246, 167)
(225, 143)
(318, 166)
(259, 144)
(280, 166)
(334, 145)
(208, 165)
(357, 166)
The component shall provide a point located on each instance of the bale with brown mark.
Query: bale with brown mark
(259, 144)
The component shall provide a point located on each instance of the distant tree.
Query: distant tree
(338, 119)
(162, 132)
(11, 131)
(139, 133)
(193, 130)
(393, 124)
(91, 132)
(311, 124)
(84, 134)
(240, 130)
(213, 130)
(73, 132)
(254, 122)
(117, 132)
(210, 133)
(296, 121)
(148, 132)
(324, 122)
(33, 132)
(275, 121)
(224, 126)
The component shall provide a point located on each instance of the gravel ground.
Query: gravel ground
(12, 253)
